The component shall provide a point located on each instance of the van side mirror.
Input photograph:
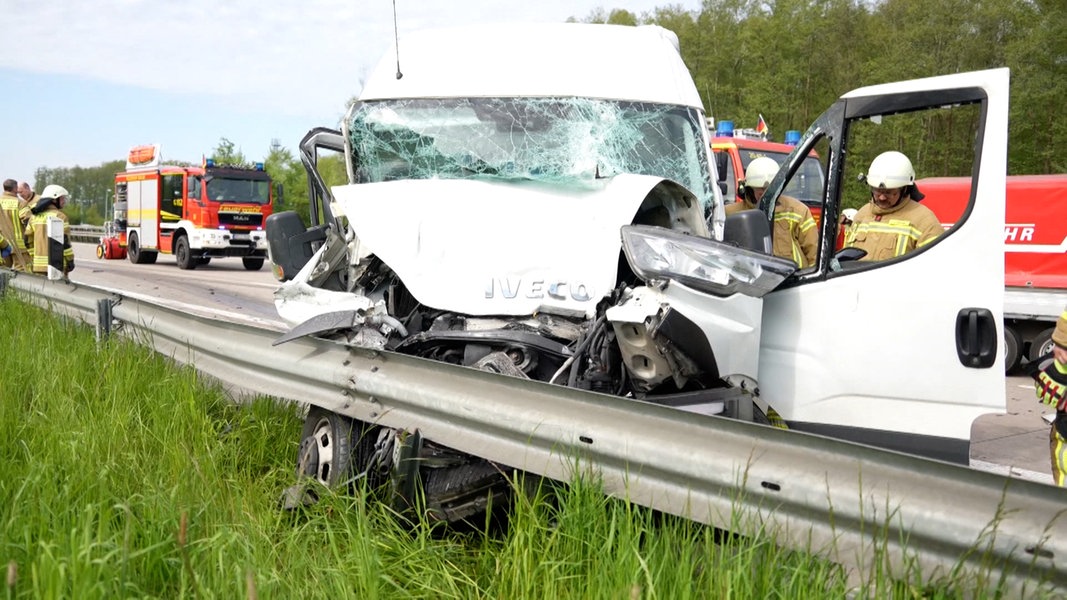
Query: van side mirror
(290, 243)
(749, 229)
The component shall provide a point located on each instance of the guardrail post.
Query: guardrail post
(3, 282)
(103, 319)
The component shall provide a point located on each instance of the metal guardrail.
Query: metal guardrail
(870, 510)
(86, 233)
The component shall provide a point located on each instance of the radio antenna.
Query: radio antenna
(396, 40)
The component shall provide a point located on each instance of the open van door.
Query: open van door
(902, 353)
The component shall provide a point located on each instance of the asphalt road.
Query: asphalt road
(1014, 443)
(222, 287)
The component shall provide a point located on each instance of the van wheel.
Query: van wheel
(254, 263)
(1041, 344)
(325, 452)
(183, 255)
(1011, 349)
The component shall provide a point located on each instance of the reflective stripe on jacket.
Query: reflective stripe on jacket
(18, 214)
(795, 236)
(892, 233)
(37, 236)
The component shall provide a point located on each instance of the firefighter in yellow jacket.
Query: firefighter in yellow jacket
(795, 235)
(50, 205)
(1051, 385)
(893, 223)
(14, 215)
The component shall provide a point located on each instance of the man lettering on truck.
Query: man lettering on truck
(794, 227)
(1051, 386)
(893, 223)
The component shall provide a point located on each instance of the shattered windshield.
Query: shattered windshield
(567, 141)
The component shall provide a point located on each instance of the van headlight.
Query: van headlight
(701, 263)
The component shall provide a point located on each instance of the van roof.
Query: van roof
(639, 64)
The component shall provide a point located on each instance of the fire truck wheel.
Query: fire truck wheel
(136, 255)
(1012, 345)
(253, 263)
(100, 251)
(183, 255)
(326, 445)
(1041, 345)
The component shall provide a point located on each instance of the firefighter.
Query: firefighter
(795, 235)
(13, 217)
(50, 205)
(1051, 385)
(893, 223)
(28, 196)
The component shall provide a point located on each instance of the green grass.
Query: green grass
(124, 476)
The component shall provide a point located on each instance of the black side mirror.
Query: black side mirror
(290, 243)
(749, 229)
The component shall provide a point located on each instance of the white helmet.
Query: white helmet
(890, 170)
(54, 192)
(760, 172)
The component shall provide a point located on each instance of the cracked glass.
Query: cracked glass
(560, 141)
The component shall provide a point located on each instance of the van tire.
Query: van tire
(1012, 347)
(1041, 345)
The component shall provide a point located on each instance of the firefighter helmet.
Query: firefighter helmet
(54, 192)
(890, 170)
(760, 172)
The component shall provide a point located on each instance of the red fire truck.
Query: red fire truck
(1035, 254)
(733, 150)
(194, 213)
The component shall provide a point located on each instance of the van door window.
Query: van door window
(881, 216)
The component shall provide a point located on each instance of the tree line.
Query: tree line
(788, 60)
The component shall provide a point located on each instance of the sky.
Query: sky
(83, 82)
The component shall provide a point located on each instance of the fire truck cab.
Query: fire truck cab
(194, 213)
(735, 149)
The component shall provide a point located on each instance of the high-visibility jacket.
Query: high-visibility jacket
(1050, 385)
(893, 232)
(795, 235)
(14, 215)
(37, 236)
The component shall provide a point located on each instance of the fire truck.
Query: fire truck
(735, 149)
(194, 213)
(1035, 254)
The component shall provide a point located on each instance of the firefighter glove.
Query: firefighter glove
(70, 266)
(1050, 391)
(5, 252)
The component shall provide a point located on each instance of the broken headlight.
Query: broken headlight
(700, 263)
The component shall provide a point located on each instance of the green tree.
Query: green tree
(290, 180)
(89, 189)
(226, 153)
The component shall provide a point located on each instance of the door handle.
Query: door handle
(976, 338)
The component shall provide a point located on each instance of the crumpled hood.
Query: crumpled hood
(498, 247)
